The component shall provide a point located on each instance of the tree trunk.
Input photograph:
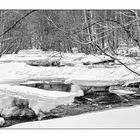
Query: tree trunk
(138, 26)
(93, 30)
(88, 29)
(116, 34)
(103, 40)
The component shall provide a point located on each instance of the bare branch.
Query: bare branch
(17, 22)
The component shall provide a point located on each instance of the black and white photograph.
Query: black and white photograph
(69, 68)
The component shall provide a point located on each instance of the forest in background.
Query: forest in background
(61, 30)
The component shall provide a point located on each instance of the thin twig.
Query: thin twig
(117, 60)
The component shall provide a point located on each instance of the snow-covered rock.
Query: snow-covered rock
(100, 77)
(40, 100)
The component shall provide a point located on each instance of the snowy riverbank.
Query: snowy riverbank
(116, 118)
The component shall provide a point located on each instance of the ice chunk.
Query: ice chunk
(40, 100)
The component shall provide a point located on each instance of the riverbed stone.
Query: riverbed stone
(2, 121)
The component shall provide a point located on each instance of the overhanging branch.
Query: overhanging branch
(17, 22)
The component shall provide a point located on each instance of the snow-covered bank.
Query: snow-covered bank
(21, 72)
(103, 76)
(15, 72)
(116, 118)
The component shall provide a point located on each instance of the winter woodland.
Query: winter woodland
(69, 68)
